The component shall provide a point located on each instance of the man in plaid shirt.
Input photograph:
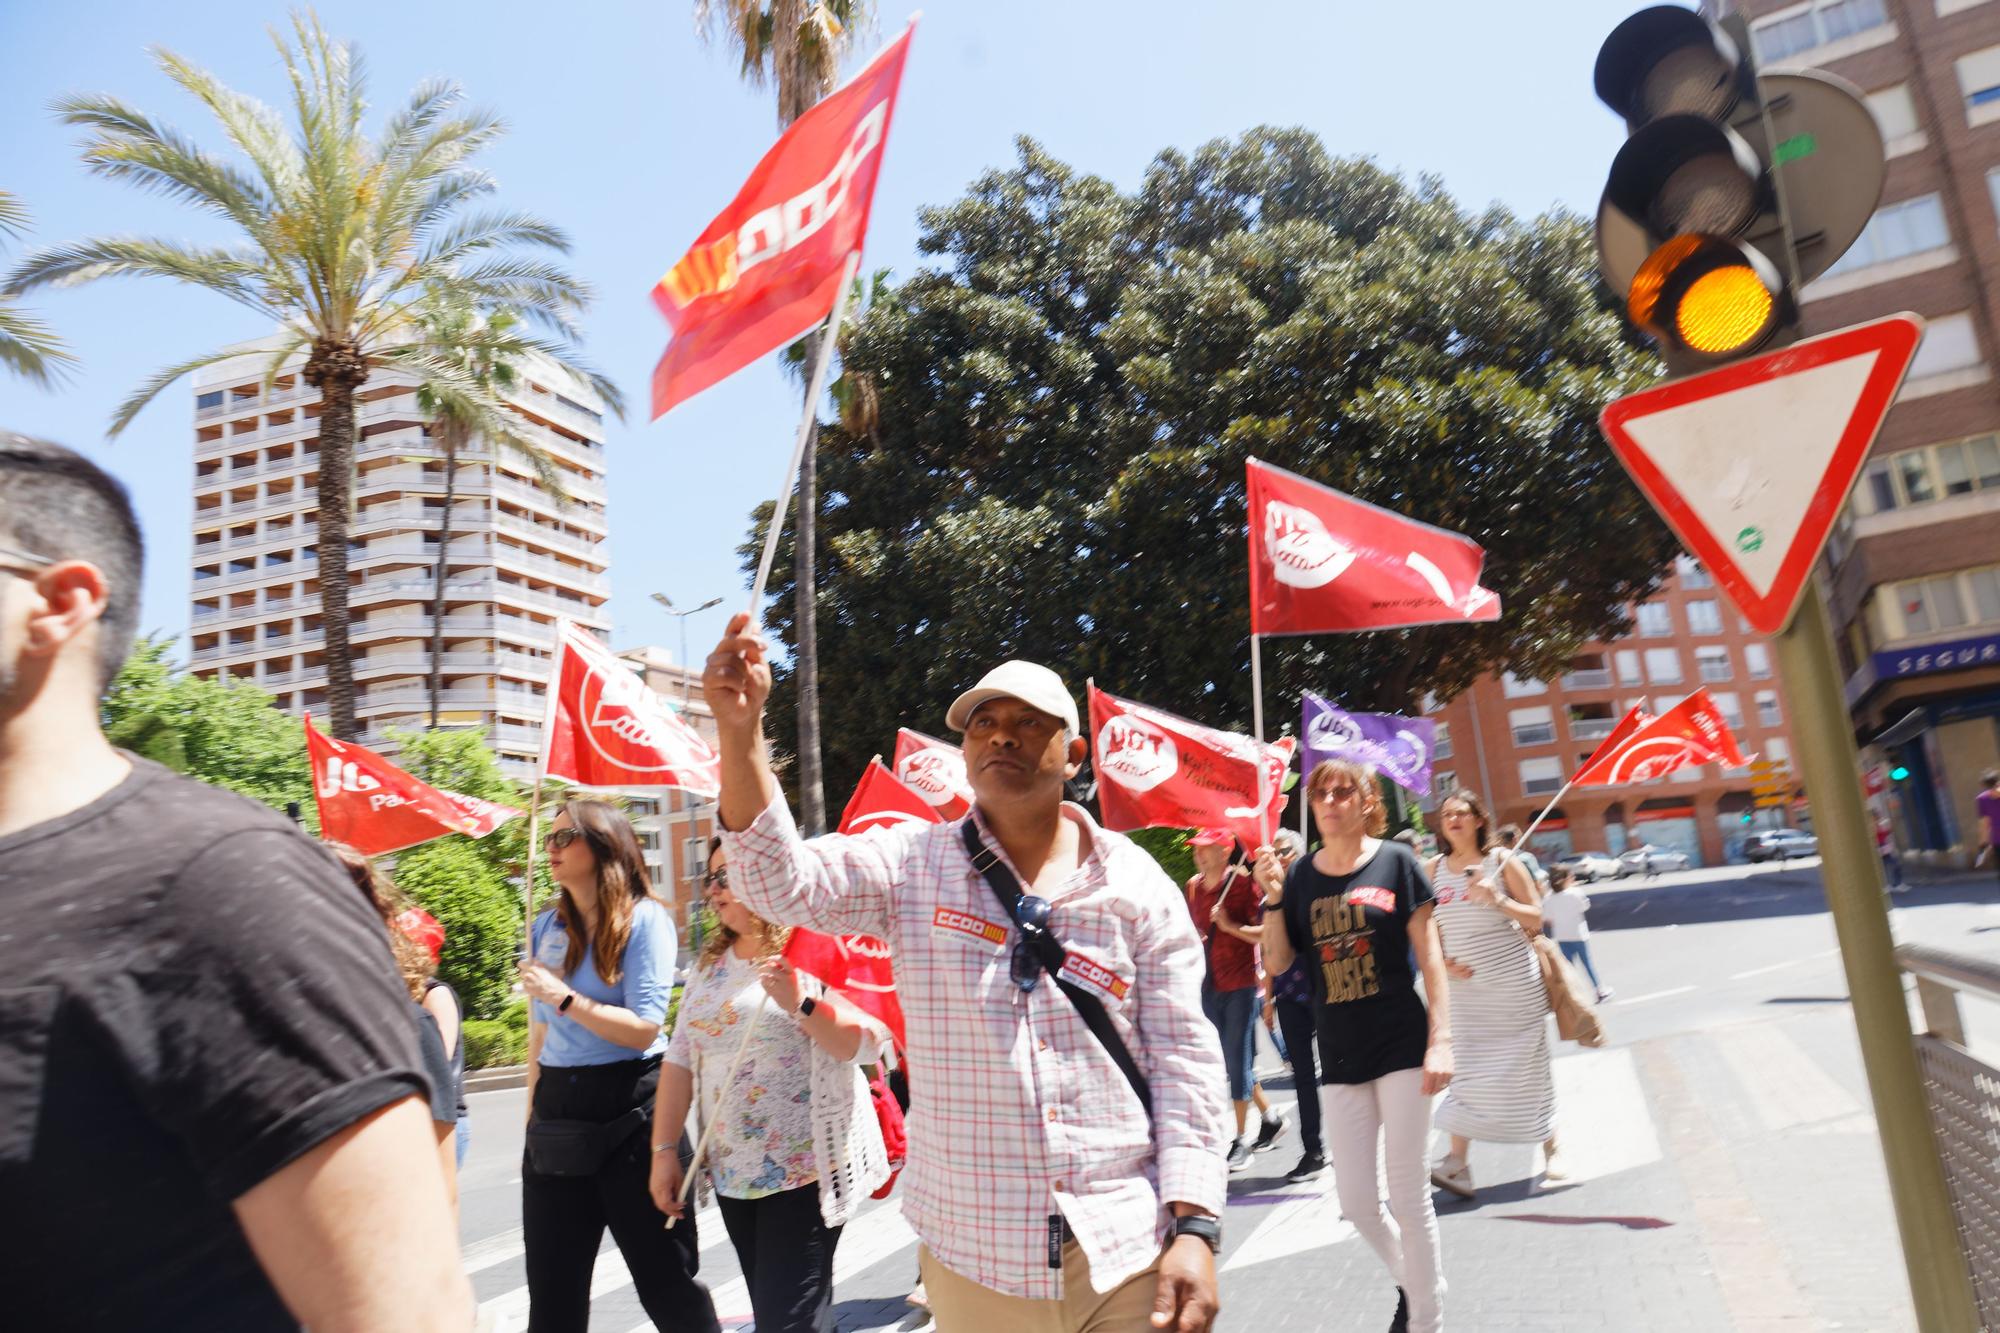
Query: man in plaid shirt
(1045, 1196)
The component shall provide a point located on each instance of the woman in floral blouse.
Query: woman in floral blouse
(795, 1145)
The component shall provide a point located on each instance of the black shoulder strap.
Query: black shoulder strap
(1049, 949)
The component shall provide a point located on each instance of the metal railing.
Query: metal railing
(1963, 1093)
(1580, 729)
(1593, 678)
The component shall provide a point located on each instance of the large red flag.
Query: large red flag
(1156, 770)
(769, 266)
(374, 807)
(1628, 724)
(934, 770)
(1691, 732)
(858, 965)
(1323, 563)
(606, 728)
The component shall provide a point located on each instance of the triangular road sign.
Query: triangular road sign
(1750, 463)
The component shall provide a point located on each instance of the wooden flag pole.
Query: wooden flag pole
(1257, 724)
(721, 1100)
(807, 421)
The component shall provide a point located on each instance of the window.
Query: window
(1918, 476)
(1628, 666)
(1815, 24)
(1443, 782)
(1540, 776)
(1897, 231)
(1704, 617)
(1515, 688)
(1969, 465)
(1986, 593)
(1441, 745)
(1931, 604)
(1778, 749)
(1767, 709)
(1949, 344)
(1758, 657)
(1663, 666)
(1712, 664)
(1731, 708)
(1693, 577)
(1979, 81)
(1894, 111)
(1532, 726)
(1656, 620)
(1913, 471)
(210, 399)
(1879, 485)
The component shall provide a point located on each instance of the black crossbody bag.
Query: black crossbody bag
(1048, 949)
(579, 1147)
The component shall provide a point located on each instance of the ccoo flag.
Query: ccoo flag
(606, 727)
(376, 808)
(1397, 747)
(881, 800)
(1324, 563)
(768, 267)
(934, 770)
(1156, 770)
(1691, 732)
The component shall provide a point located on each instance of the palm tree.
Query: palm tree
(468, 363)
(342, 236)
(796, 47)
(28, 347)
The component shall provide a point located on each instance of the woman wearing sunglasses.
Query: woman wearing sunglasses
(600, 978)
(1356, 910)
(794, 1145)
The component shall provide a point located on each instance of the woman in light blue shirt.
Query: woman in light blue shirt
(600, 978)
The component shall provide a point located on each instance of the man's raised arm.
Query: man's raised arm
(836, 884)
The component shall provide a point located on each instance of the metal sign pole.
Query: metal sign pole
(1852, 873)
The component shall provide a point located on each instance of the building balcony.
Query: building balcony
(556, 571)
(1597, 679)
(545, 535)
(1544, 734)
(1589, 728)
(1541, 786)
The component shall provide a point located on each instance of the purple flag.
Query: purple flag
(1397, 747)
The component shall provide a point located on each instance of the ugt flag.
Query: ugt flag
(1156, 770)
(934, 770)
(1397, 747)
(606, 728)
(1323, 563)
(858, 965)
(769, 266)
(376, 808)
(1691, 732)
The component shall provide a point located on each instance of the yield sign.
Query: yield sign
(1750, 463)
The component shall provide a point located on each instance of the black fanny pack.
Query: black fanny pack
(578, 1147)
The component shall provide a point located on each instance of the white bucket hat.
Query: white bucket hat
(1029, 682)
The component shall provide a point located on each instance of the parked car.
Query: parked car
(1662, 858)
(1589, 867)
(1780, 844)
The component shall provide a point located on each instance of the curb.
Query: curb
(496, 1078)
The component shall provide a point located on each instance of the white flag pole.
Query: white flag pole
(549, 688)
(807, 422)
(1257, 724)
(1521, 844)
(708, 1124)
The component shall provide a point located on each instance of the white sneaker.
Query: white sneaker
(1554, 1170)
(1453, 1175)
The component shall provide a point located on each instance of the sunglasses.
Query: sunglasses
(1334, 795)
(716, 877)
(560, 839)
(1031, 915)
(23, 562)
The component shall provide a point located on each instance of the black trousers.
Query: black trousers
(563, 1217)
(786, 1249)
(1295, 1020)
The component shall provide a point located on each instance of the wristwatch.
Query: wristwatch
(1200, 1224)
(806, 1007)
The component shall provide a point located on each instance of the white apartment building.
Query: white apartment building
(519, 558)
(673, 827)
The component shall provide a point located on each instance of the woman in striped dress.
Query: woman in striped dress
(1501, 1090)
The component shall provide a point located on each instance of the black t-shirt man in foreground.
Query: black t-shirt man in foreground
(212, 1113)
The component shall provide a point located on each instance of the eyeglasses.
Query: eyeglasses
(23, 562)
(1031, 915)
(560, 839)
(1335, 795)
(718, 876)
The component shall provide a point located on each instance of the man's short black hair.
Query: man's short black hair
(57, 504)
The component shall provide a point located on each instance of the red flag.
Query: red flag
(881, 801)
(374, 807)
(606, 728)
(1691, 732)
(1630, 723)
(1156, 770)
(768, 267)
(1323, 563)
(934, 770)
(855, 965)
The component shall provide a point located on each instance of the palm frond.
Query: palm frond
(485, 231)
(127, 146)
(31, 348)
(13, 215)
(255, 129)
(240, 275)
(136, 401)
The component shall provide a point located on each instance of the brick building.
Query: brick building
(1516, 741)
(1912, 574)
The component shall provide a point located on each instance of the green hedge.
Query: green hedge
(490, 1043)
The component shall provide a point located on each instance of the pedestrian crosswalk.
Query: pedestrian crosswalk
(1754, 1081)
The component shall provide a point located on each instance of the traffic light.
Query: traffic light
(1732, 189)
(1898, 773)
(1747, 816)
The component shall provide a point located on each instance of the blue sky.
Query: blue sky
(631, 134)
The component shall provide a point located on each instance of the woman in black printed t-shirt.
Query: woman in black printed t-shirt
(1356, 909)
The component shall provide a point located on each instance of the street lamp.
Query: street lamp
(687, 680)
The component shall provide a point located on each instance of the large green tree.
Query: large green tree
(341, 238)
(1045, 456)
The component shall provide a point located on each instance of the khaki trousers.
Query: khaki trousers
(961, 1305)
